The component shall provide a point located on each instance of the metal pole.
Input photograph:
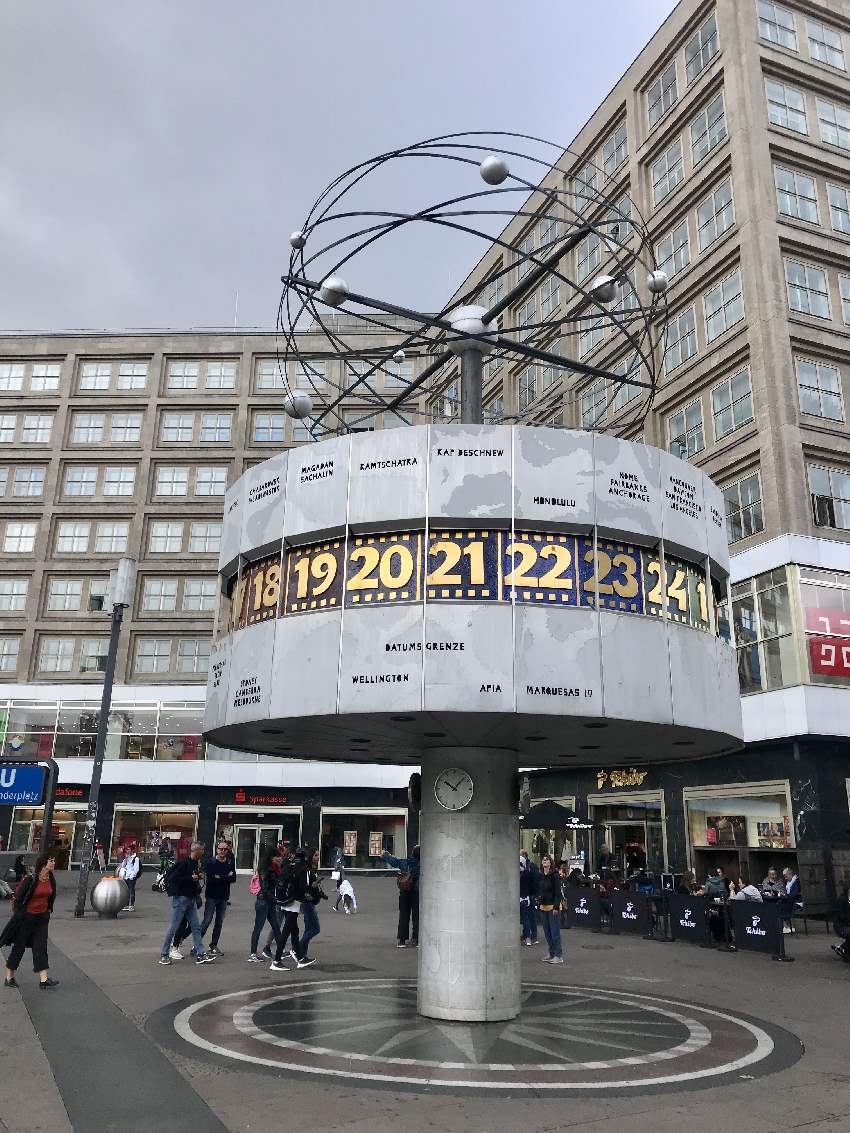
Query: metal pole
(97, 768)
(49, 798)
(471, 387)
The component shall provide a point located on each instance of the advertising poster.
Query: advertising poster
(349, 843)
(376, 843)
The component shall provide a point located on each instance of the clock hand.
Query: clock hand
(448, 784)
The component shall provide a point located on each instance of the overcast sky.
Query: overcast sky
(155, 156)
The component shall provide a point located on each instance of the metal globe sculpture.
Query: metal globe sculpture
(109, 896)
(581, 223)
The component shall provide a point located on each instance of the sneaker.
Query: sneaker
(348, 912)
(127, 909)
(131, 909)
(557, 960)
(214, 952)
(204, 958)
(193, 951)
(275, 967)
(254, 959)
(175, 953)
(402, 944)
(14, 983)
(840, 950)
(413, 944)
(547, 959)
(266, 954)
(535, 940)
(165, 961)
(528, 943)
(305, 963)
(786, 929)
(48, 983)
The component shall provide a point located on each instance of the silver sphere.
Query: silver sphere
(297, 239)
(109, 896)
(298, 404)
(493, 169)
(334, 291)
(399, 356)
(603, 289)
(657, 282)
(467, 320)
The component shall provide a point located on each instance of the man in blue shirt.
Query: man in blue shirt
(408, 897)
(221, 873)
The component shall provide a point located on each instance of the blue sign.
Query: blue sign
(22, 784)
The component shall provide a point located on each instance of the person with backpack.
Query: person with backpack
(408, 897)
(263, 887)
(282, 857)
(221, 873)
(182, 884)
(290, 891)
(315, 893)
(129, 871)
(33, 904)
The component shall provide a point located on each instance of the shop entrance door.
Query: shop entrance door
(627, 843)
(251, 844)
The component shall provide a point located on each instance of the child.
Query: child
(346, 895)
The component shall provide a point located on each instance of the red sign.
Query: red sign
(256, 798)
(830, 656)
(71, 792)
(825, 620)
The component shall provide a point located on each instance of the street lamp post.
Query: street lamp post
(119, 594)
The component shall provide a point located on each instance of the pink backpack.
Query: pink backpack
(254, 885)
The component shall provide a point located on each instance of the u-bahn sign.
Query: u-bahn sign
(22, 784)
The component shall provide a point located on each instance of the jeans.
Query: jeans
(311, 925)
(264, 911)
(183, 907)
(131, 886)
(215, 907)
(289, 931)
(552, 928)
(408, 910)
(528, 920)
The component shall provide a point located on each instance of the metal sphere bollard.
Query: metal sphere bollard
(109, 896)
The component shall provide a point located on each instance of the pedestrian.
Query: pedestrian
(408, 897)
(549, 899)
(265, 908)
(129, 871)
(33, 904)
(290, 892)
(312, 928)
(220, 874)
(527, 902)
(283, 857)
(182, 884)
(20, 868)
(346, 895)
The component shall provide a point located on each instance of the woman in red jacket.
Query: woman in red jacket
(34, 899)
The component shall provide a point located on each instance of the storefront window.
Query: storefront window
(179, 733)
(745, 830)
(560, 844)
(362, 837)
(628, 836)
(30, 730)
(148, 829)
(68, 832)
(825, 598)
(252, 832)
(761, 614)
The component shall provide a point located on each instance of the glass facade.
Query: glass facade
(69, 825)
(152, 831)
(746, 829)
(357, 834)
(825, 601)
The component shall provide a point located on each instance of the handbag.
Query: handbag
(404, 881)
(10, 932)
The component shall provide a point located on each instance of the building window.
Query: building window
(825, 45)
(724, 306)
(731, 404)
(594, 405)
(589, 256)
(19, 538)
(526, 317)
(685, 434)
(624, 392)
(761, 615)
(825, 598)
(87, 428)
(37, 429)
(159, 595)
(166, 537)
(56, 655)
(132, 375)
(64, 594)
(4, 480)
(193, 655)
(796, 195)
(172, 481)
(493, 289)
(204, 538)
(177, 427)
(28, 482)
(153, 655)
(119, 481)
(680, 341)
(662, 94)
(820, 389)
(548, 230)
(80, 481)
(743, 508)
(45, 377)
(618, 226)
(182, 375)
(615, 149)
(11, 376)
(310, 375)
(524, 252)
(584, 187)
(701, 49)
(8, 424)
(270, 374)
(494, 411)
(72, 537)
(13, 594)
(667, 173)
(527, 387)
(834, 121)
(844, 288)
(830, 488)
(807, 289)
(551, 371)
(216, 427)
(715, 215)
(111, 538)
(673, 253)
(9, 654)
(839, 208)
(221, 375)
(776, 25)
(268, 427)
(550, 295)
(199, 595)
(96, 376)
(786, 107)
(301, 429)
(708, 129)
(210, 481)
(125, 428)
(93, 654)
(590, 334)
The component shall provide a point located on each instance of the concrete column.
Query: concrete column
(469, 958)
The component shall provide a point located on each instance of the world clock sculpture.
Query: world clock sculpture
(469, 597)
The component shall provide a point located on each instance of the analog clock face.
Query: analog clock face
(453, 788)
